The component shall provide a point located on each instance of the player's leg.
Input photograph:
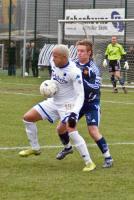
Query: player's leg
(65, 140)
(112, 73)
(93, 119)
(36, 70)
(29, 120)
(14, 70)
(102, 144)
(79, 144)
(121, 80)
(114, 82)
(27, 66)
(43, 110)
(33, 68)
(64, 137)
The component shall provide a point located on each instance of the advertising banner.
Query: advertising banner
(95, 28)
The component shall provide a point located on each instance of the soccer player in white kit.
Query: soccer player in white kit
(64, 106)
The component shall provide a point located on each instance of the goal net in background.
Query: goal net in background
(99, 32)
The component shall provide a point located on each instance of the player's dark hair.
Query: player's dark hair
(86, 43)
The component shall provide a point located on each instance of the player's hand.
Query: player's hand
(72, 119)
(126, 66)
(104, 63)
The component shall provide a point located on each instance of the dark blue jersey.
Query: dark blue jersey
(91, 80)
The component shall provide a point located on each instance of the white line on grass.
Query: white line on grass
(32, 94)
(104, 86)
(60, 146)
(119, 86)
(119, 102)
(19, 93)
(110, 90)
(27, 84)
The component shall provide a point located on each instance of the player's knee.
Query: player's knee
(32, 116)
(61, 128)
(26, 117)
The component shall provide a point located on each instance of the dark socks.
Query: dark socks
(102, 145)
(64, 138)
(113, 81)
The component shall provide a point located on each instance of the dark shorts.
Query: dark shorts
(92, 113)
(114, 65)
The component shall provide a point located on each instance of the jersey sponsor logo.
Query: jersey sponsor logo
(118, 24)
(59, 79)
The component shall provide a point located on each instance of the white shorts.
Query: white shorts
(52, 112)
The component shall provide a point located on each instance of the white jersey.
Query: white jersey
(70, 86)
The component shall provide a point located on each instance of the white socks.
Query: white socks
(78, 141)
(31, 131)
(81, 146)
(106, 154)
(68, 145)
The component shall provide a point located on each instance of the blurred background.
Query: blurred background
(24, 22)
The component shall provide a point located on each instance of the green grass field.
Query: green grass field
(43, 177)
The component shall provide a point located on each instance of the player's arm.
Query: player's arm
(52, 65)
(107, 52)
(105, 63)
(79, 90)
(122, 52)
(124, 57)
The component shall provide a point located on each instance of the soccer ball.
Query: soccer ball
(25, 74)
(48, 88)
